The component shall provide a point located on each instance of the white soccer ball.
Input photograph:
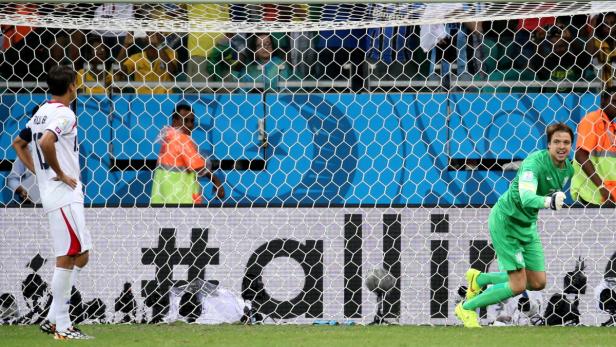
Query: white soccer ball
(380, 280)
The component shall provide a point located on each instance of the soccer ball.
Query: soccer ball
(380, 280)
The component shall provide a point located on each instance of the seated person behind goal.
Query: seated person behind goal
(262, 63)
(22, 181)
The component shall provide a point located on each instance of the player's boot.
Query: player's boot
(469, 318)
(47, 327)
(473, 289)
(71, 334)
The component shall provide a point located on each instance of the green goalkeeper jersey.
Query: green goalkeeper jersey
(537, 178)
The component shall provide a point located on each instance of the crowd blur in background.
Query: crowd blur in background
(574, 48)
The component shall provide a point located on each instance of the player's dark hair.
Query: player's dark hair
(60, 78)
(178, 108)
(558, 127)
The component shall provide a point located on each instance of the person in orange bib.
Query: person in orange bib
(179, 164)
(594, 181)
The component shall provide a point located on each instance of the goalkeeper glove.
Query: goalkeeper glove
(555, 201)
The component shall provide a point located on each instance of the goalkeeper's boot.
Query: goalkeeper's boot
(469, 318)
(48, 327)
(71, 333)
(473, 289)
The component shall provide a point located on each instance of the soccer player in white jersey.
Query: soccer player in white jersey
(48, 147)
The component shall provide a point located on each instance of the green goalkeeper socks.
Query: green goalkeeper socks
(492, 295)
(486, 278)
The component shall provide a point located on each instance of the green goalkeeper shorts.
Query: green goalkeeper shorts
(517, 247)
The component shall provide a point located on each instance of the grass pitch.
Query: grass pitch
(313, 336)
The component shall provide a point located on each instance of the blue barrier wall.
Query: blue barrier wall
(324, 148)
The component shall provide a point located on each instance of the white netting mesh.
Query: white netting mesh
(350, 137)
(279, 17)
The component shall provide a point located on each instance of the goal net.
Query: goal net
(360, 147)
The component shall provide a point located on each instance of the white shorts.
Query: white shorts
(69, 234)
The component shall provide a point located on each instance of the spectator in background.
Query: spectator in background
(263, 63)
(20, 31)
(529, 34)
(66, 46)
(301, 51)
(496, 38)
(179, 163)
(155, 64)
(32, 50)
(603, 46)
(341, 54)
(459, 46)
(13, 34)
(201, 45)
(562, 56)
(219, 62)
(26, 49)
(167, 12)
(453, 46)
(23, 183)
(114, 40)
(594, 181)
(389, 45)
(94, 77)
(221, 59)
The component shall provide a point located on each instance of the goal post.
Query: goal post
(350, 138)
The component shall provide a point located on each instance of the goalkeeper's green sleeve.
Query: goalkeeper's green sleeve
(528, 191)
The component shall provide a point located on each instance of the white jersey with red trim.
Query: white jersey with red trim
(61, 120)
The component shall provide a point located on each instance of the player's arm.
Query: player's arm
(587, 141)
(582, 156)
(47, 143)
(528, 193)
(198, 164)
(20, 144)
(13, 180)
(218, 188)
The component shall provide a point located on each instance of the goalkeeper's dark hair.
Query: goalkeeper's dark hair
(558, 127)
(178, 108)
(59, 78)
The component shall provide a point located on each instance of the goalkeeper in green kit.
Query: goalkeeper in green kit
(513, 227)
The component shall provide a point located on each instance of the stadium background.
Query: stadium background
(389, 149)
(355, 177)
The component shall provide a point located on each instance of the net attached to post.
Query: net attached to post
(252, 17)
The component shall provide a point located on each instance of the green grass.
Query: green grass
(313, 336)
